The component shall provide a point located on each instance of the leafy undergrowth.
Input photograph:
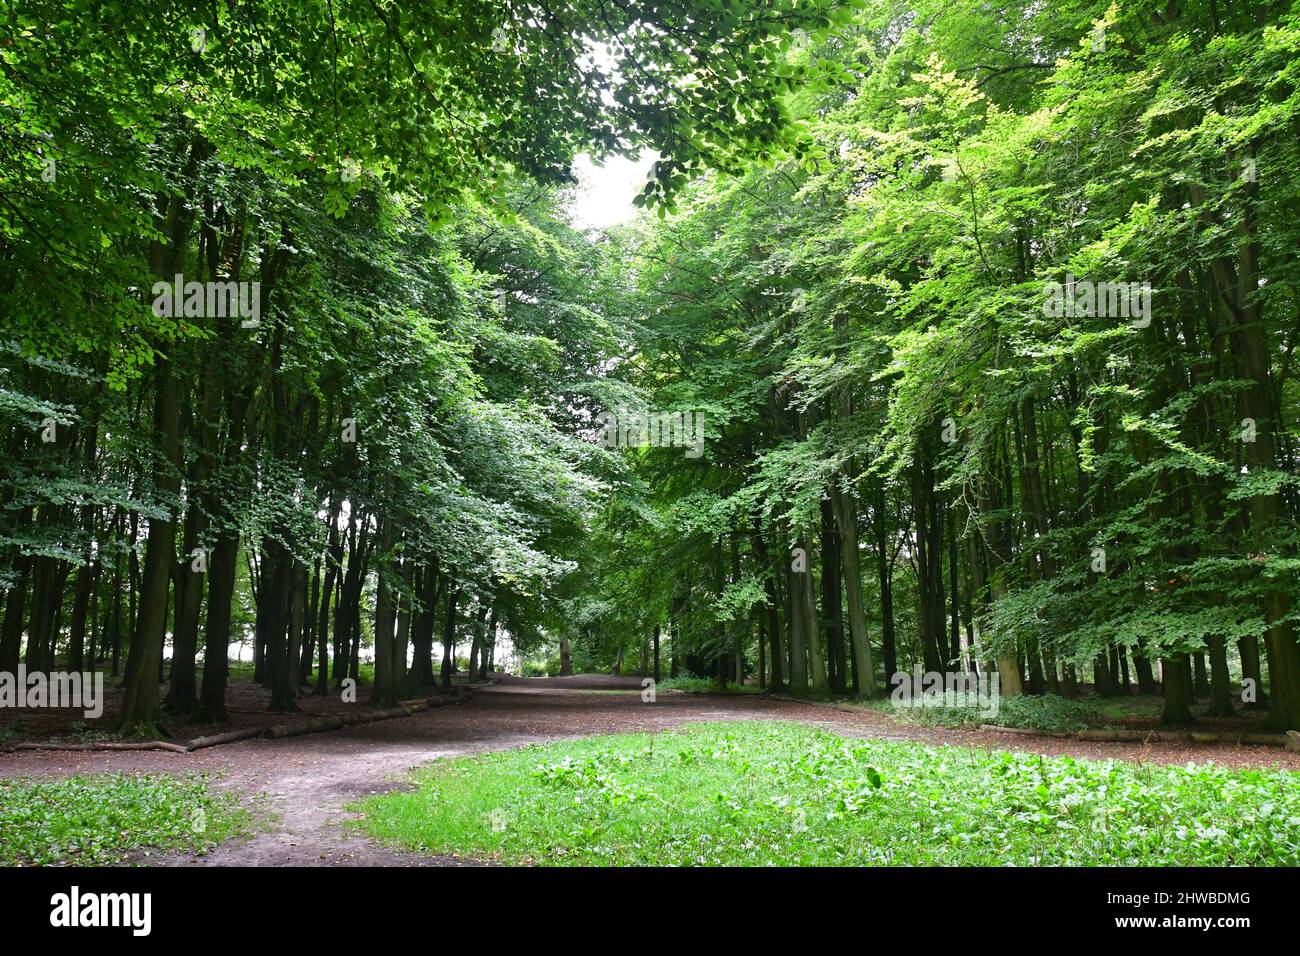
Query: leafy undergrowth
(1124, 710)
(1045, 712)
(112, 818)
(1049, 712)
(703, 685)
(781, 793)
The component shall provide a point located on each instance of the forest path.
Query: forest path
(310, 779)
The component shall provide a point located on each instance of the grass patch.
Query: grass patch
(108, 818)
(616, 691)
(748, 793)
(1037, 712)
(1115, 711)
(1044, 712)
(704, 685)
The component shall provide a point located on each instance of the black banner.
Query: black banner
(141, 906)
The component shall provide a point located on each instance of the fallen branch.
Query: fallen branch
(310, 726)
(213, 740)
(1026, 732)
(1124, 736)
(103, 745)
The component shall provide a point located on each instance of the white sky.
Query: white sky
(603, 196)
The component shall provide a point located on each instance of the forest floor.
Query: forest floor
(310, 780)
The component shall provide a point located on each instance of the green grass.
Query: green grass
(1045, 712)
(1113, 711)
(111, 818)
(1037, 712)
(615, 691)
(704, 685)
(751, 793)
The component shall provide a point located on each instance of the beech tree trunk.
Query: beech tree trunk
(1177, 689)
(449, 637)
(846, 516)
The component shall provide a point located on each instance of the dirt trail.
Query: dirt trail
(310, 779)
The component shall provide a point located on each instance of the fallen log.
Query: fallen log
(386, 714)
(1026, 732)
(310, 726)
(1125, 736)
(1256, 740)
(318, 724)
(213, 740)
(1266, 740)
(103, 745)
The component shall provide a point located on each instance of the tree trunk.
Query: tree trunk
(478, 640)
(1248, 649)
(309, 626)
(954, 598)
(656, 654)
(1103, 682)
(334, 561)
(349, 595)
(816, 653)
(298, 630)
(140, 703)
(1220, 691)
(278, 572)
(485, 658)
(1146, 678)
(384, 693)
(798, 635)
(846, 516)
(425, 624)
(222, 568)
(80, 607)
(12, 635)
(888, 646)
(449, 637)
(404, 616)
(1200, 677)
(771, 580)
(832, 604)
(182, 692)
(114, 631)
(1177, 689)
(1238, 286)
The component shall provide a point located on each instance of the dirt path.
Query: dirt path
(309, 780)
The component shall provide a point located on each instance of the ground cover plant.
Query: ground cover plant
(113, 818)
(742, 793)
